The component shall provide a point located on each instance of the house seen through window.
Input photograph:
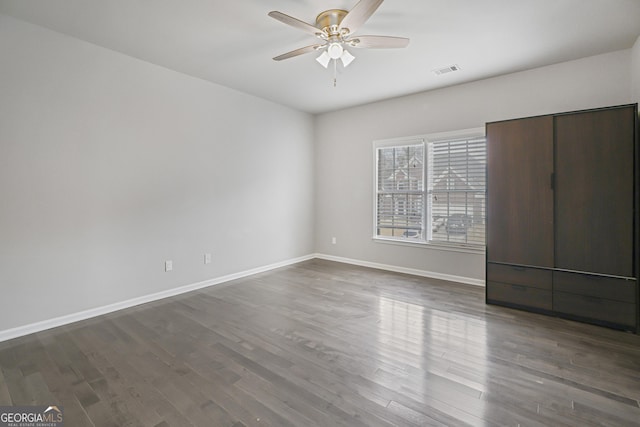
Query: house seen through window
(432, 189)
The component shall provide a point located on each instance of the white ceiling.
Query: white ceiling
(232, 42)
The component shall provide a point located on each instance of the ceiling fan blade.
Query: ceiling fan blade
(359, 14)
(378, 42)
(297, 52)
(296, 23)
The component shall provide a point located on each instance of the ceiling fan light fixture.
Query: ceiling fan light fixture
(324, 59)
(335, 27)
(346, 58)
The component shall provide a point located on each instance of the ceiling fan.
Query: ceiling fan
(335, 29)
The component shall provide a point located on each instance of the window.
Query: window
(432, 189)
(400, 195)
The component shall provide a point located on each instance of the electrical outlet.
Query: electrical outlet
(168, 265)
(334, 241)
(207, 258)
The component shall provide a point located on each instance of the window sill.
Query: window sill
(435, 246)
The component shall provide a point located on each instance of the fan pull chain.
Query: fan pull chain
(335, 73)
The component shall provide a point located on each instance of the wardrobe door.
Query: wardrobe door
(519, 196)
(594, 191)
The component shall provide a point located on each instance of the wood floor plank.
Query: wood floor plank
(5, 396)
(321, 343)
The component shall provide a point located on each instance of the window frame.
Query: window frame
(425, 139)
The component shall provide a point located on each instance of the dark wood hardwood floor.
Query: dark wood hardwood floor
(327, 344)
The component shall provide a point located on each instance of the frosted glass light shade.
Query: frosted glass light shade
(324, 59)
(335, 50)
(346, 58)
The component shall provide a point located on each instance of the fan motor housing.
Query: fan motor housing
(329, 18)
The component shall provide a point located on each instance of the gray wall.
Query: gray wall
(635, 71)
(344, 183)
(109, 166)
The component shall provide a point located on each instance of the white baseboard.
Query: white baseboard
(94, 312)
(406, 270)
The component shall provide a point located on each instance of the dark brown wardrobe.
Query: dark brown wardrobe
(562, 215)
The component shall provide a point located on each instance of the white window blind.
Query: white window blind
(457, 189)
(433, 191)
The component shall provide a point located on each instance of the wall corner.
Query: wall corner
(635, 71)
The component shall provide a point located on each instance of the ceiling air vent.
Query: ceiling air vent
(445, 70)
